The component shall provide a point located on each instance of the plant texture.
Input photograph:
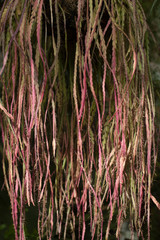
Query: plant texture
(77, 115)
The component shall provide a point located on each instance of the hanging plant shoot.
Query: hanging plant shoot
(77, 116)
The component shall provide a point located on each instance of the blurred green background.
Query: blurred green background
(152, 11)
